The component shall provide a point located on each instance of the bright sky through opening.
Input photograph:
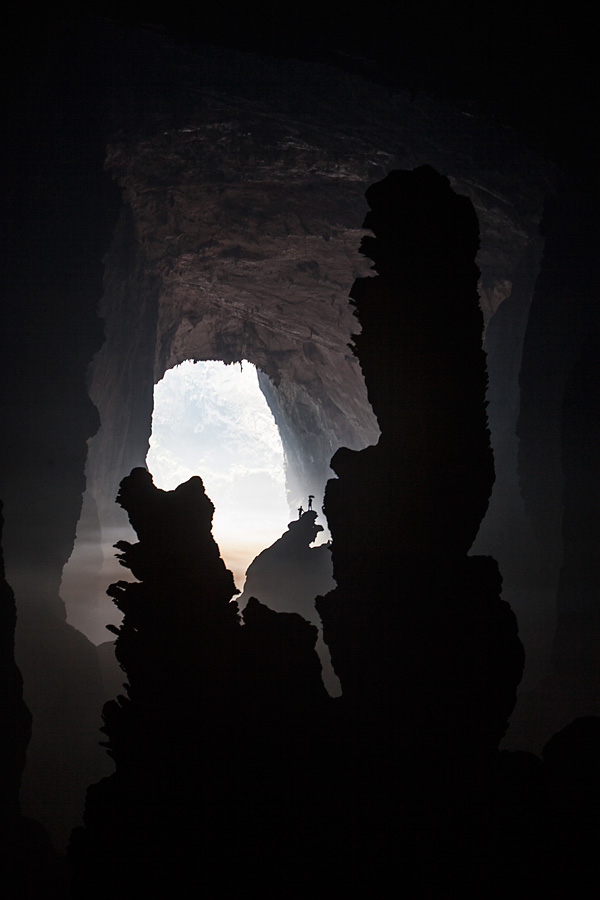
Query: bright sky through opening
(212, 420)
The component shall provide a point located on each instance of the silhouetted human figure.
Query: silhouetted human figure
(311, 497)
(300, 512)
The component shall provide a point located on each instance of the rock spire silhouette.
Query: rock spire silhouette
(427, 653)
(212, 717)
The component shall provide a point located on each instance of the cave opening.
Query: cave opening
(212, 419)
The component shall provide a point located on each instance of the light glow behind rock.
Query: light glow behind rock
(212, 420)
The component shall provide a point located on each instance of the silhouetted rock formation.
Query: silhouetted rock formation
(177, 645)
(545, 832)
(427, 653)
(572, 764)
(58, 212)
(290, 574)
(14, 715)
(215, 714)
(420, 352)
(30, 866)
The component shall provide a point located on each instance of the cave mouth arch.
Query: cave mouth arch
(212, 419)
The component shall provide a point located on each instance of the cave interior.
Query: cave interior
(174, 198)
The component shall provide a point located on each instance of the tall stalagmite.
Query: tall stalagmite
(427, 654)
(215, 714)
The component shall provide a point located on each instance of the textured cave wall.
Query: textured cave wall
(542, 409)
(243, 202)
(220, 306)
(557, 434)
(59, 209)
(129, 310)
(220, 730)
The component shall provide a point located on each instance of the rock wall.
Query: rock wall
(557, 471)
